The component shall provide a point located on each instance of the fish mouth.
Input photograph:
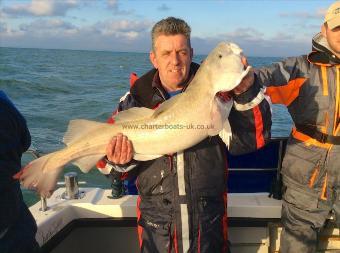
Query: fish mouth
(224, 96)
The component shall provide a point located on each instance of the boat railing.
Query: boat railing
(34, 153)
(258, 171)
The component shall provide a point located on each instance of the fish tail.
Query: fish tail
(38, 175)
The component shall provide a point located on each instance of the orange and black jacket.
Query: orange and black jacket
(194, 179)
(308, 86)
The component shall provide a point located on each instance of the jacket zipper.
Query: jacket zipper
(314, 176)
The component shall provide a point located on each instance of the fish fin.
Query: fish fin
(34, 176)
(219, 115)
(86, 163)
(78, 128)
(132, 114)
(142, 157)
(167, 104)
(226, 134)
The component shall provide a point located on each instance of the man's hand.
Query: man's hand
(119, 150)
(247, 81)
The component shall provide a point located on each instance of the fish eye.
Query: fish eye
(220, 56)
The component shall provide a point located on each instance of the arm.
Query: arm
(283, 80)
(250, 121)
(119, 150)
(281, 83)
(15, 137)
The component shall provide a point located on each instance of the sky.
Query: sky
(262, 28)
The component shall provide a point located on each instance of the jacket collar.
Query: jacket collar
(149, 92)
(322, 53)
(156, 82)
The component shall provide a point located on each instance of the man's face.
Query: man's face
(333, 38)
(172, 57)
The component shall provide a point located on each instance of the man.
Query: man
(309, 87)
(17, 225)
(184, 212)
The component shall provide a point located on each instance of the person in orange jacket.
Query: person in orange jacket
(309, 86)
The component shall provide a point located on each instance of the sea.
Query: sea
(51, 87)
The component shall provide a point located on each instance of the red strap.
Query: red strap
(101, 164)
(133, 78)
(258, 127)
(139, 228)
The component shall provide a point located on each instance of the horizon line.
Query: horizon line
(112, 51)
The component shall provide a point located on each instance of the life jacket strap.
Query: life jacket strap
(314, 133)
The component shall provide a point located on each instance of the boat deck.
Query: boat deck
(244, 210)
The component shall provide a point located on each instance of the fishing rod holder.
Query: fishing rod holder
(43, 204)
(71, 186)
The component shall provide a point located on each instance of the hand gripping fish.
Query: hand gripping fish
(175, 125)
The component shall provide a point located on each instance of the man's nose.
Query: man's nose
(174, 58)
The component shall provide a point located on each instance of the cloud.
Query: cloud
(249, 34)
(3, 15)
(255, 43)
(3, 27)
(163, 7)
(41, 8)
(48, 27)
(123, 26)
(113, 35)
(134, 36)
(58, 27)
(113, 5)
(318, 14)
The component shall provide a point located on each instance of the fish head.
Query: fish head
(225, 66)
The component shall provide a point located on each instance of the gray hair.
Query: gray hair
(170, 26)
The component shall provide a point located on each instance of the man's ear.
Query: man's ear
(153, 59)
(324, 30)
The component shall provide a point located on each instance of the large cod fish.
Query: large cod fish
(176, 125)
